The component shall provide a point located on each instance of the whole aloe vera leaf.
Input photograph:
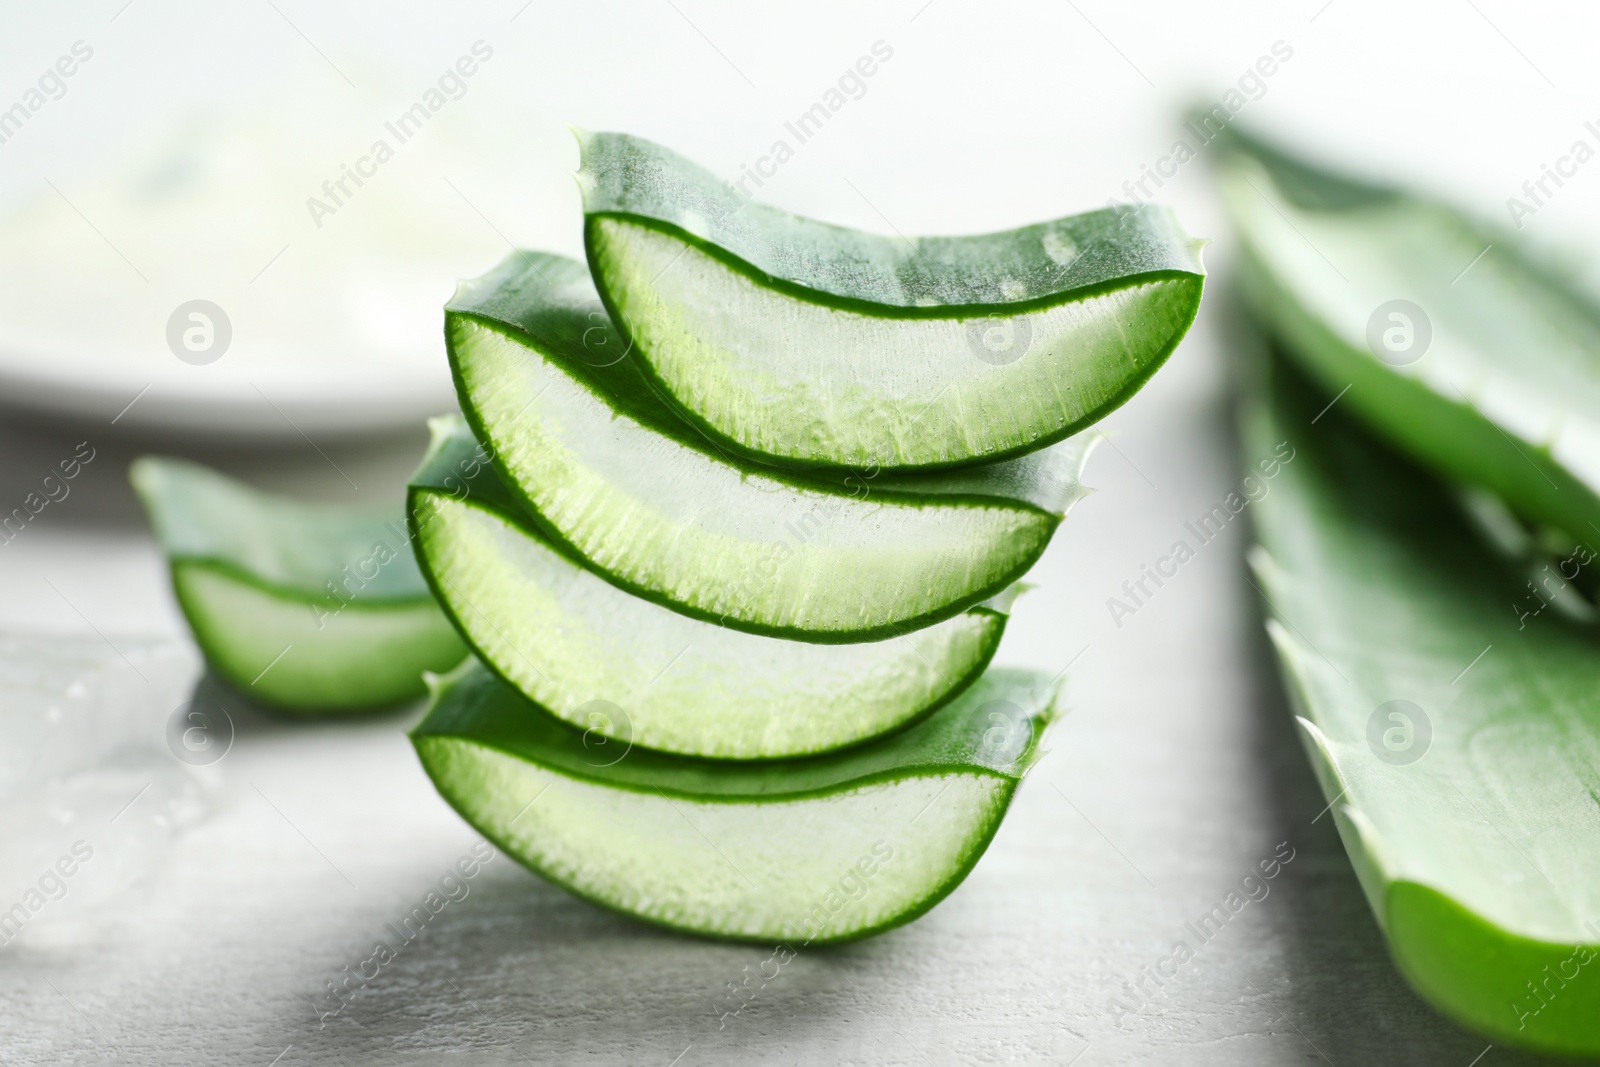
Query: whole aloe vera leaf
(1456, 739)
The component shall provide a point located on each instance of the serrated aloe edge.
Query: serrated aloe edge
(606, 471)
(634, 671)
(1440, 332)
(824, 849)
(800, 343)
(306, 607)
(1456, 742)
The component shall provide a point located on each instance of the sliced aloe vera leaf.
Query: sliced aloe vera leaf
(1445, 337)
(634, 671)
(1457, 743)
(605, 469)
(803, 343)
(822, 849)
(308, 607)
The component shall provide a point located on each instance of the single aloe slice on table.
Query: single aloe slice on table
(823, 849)
(1439, 332)
(637, 672)
(802, 343)
(1458, 744)
(604, 469)
(308, 607)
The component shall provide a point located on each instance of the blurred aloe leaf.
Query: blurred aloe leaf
(1438, 332)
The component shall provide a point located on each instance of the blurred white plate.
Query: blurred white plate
(332, 295)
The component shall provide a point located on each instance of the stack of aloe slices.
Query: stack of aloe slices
(1453, 721)
(734, 563)
(772, 511)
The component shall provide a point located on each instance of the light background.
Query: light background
(1175, 771)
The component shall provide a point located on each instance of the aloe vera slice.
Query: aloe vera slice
(605, 470)
(822, 849)
(632, 670)
(303, 606)
(807, 344)
(1458, 744)
(1491, 376)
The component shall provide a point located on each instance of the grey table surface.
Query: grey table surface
(1175, 772)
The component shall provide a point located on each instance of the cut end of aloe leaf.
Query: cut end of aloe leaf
(806, 344)
(1543, 999)
(1453, 736)
(308, 608)
(818, 850)
(635, 672)
(606, 471)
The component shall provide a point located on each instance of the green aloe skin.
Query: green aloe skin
(830, 848)
(306, 607)
(1457, 741)
(802, 344)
